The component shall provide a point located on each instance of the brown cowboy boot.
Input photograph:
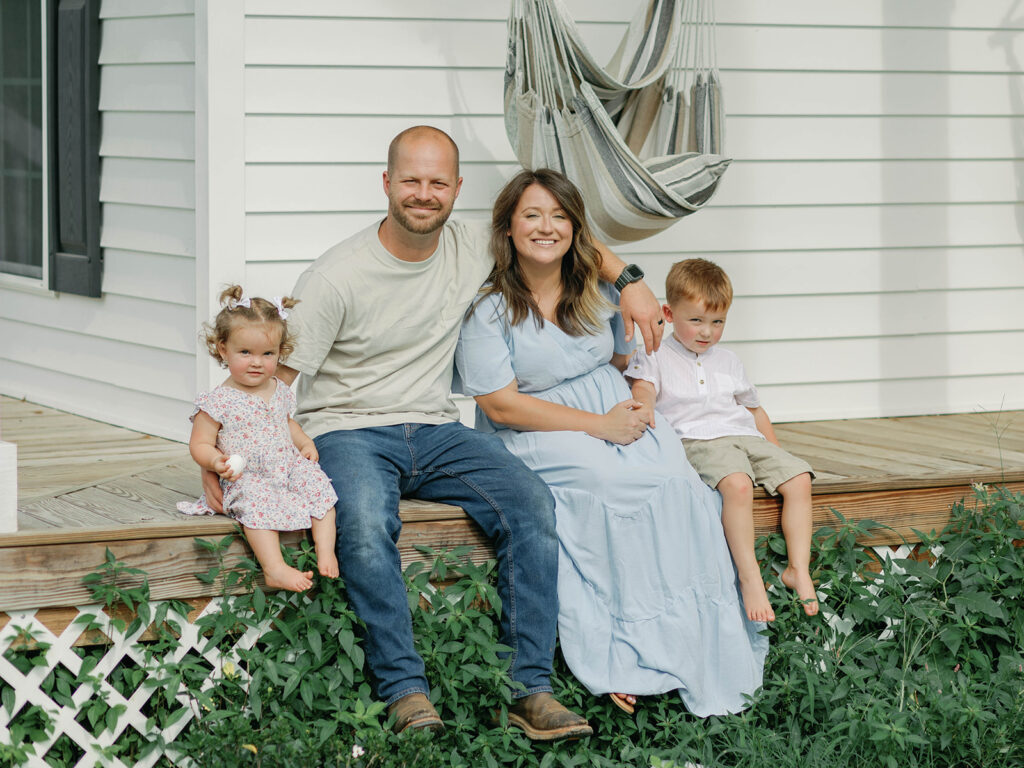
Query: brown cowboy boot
(544, 719)
(414, 711)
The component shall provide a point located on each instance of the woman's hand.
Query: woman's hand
(623, 424)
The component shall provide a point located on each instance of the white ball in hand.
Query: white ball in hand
(236, 464)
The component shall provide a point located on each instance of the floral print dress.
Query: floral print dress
(278, 490)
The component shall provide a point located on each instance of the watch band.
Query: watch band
(631, 273)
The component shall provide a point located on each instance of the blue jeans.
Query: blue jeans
(371, 469)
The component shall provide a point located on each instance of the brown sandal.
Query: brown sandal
(622, 703)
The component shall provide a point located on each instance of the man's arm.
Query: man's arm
(637, 302)
(286, 374)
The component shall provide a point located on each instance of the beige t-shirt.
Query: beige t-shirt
(375, 335)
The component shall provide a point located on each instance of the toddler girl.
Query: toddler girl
(280, 487)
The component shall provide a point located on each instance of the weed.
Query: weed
(919, 663)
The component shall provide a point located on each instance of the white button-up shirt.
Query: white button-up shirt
(703, 396)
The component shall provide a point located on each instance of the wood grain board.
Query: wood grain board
(86, 486)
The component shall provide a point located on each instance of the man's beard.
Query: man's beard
(418, 226)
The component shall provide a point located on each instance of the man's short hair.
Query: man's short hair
(419, 130)
(699, 280)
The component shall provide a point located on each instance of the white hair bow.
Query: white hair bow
(280, 307)
(242, 302)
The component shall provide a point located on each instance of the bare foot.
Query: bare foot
(624, 701)
(800, 582)
(327, 563)
(286, 577)
(755, 600)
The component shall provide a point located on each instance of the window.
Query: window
(21, 138)
(71, 150)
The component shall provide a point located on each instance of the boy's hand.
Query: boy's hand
(643, 392)
(310, 452)
(645, 411)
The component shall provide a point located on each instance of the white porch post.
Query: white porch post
(220, 162)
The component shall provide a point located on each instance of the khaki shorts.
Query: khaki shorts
(762, 461)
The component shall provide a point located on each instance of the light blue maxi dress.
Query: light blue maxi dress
(648, 599)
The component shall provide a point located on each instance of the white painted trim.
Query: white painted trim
(8, 487)
(220, 160)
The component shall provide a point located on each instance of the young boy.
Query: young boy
(704, 393)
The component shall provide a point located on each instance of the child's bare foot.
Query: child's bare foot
(800, 582)
(283, 576)
(327, 563)
(755, 600)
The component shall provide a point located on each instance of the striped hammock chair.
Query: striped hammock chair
(642, 137)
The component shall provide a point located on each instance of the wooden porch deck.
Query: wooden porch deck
(86, 486)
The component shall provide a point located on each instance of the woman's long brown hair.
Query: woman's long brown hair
(579, 310)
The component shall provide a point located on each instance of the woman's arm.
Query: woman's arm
(620, 361)
(511, 408)
(303, 441)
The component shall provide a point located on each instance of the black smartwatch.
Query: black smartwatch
(631, 274)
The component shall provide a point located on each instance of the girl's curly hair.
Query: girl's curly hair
(259, 312)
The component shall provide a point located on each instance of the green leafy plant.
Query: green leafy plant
(912, 661)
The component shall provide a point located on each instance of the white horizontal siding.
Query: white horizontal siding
(148, 40)
(894, 397)
(150, 88)
(976, 14)
(145, 228)
(142, 368)
(128, 357)
(757, 273)
(322, 41)
(269, 235)
(942, 356)
(155, 276)
(871, 219)
(356, 90)
(159, 183)
(136, 321)
(768, 138)
(332, 186)
(155, 135)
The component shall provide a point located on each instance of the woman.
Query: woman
(647, 595)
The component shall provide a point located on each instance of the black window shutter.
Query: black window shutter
(76, 264)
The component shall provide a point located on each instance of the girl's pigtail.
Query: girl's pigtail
(231, 294)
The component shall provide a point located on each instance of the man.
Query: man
(376, 328)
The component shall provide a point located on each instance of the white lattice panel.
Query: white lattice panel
(123, 647)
